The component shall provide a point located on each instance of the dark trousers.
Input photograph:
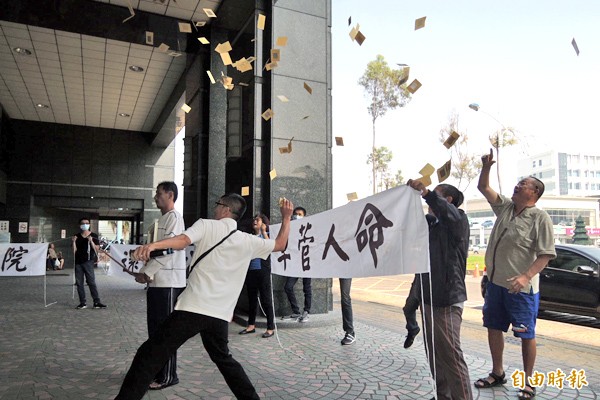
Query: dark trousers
(160, 304)
(172, 334)
(347, 320)
(412, 304)
(258, 281)
(306, 287)
(86, 269)
(451, 371)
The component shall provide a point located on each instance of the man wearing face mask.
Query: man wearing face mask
(299, 213)
(85, 248)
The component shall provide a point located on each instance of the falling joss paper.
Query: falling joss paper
(150, 38)
(273, 174)
(287, 149)
(420, 23)
(444, 172)
(427, 170)
(451, 139)
(209, 13)
(281, 41)
(339, 141)
(574, 44)
(185, 27)
(307, 88)
(245, 190)
(260, 24)
(186, 108)
(414, 86)
(352, 196)
(268, 114)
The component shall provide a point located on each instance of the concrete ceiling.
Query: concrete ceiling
(86, 79)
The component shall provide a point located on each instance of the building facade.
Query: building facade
(564, 174)
(93, 94)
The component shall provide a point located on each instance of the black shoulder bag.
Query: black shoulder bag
(189, 270)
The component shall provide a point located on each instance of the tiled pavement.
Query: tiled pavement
(58, 352)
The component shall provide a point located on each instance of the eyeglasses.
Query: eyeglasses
(218, 203)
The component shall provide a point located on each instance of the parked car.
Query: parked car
(571, 282)
(487, 224)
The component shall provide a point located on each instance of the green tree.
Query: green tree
(380, 159)
(465, 165)
(393, 181)
(385, 90)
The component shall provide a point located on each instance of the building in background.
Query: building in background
(572, 174)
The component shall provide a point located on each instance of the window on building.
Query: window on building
(576, 173)
(585, 159)
(570, 185)
(577, 186)
(593, 186)
(585, 174)
(540, 163)
(541, 175)
(533, 163)
(587, 186)
(569, 172)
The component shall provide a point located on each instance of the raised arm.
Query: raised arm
(490, 194)
(284, 232)
(178, 242)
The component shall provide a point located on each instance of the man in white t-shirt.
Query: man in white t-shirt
(206, 305)
(165, 277)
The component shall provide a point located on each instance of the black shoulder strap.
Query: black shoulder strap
(189, 271)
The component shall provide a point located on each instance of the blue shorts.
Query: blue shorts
(502, 309)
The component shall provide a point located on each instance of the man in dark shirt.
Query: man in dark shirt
(85, 248)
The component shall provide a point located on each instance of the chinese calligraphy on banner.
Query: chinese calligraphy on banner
(121, 253)
(385, 234)
(23, 259)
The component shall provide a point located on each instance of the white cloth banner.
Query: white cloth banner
(121, 253)
(23, 259)
(384, 234)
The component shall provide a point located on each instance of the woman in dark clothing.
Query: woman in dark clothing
(258, 281)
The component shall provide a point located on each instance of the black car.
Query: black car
(570, 283)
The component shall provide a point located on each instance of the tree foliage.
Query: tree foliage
(385, 91)
(380, 159)
(382, 86)
(465, 165)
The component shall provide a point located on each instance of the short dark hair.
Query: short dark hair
(539, 186)
(452, 191)
(236, 204)
(84, 219)
(263, 217)
(300, 209)
(168, 186)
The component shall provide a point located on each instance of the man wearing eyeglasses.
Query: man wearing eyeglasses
(519, 247)
(207, 303)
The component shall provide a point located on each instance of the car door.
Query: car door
(565, 281)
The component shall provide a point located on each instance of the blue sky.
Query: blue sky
(514, 58)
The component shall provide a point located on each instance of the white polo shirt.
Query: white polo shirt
(168, 271)
(216, 282)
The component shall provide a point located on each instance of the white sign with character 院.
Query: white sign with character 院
(23, 259)
(384, 234)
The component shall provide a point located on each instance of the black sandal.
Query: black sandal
(484, 383)
(528, 392)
